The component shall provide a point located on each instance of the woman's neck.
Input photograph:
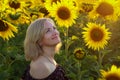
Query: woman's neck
(49, 51)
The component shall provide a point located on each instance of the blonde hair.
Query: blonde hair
(34, 34)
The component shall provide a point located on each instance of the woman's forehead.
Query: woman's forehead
(48, 24)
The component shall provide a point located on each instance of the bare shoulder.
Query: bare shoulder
(39, 69)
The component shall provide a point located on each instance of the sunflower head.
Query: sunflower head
(3, 26)
(14, 4)
(14, 16)
(86, 7)
(95, 36)
(112, 74)
(7, 29)
(79, 53)
(106, 9)
(64, 12)
(44, 11)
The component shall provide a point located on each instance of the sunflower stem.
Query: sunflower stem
(79, 69)
(100, 59)
(66, 45)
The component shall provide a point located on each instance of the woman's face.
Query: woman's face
(51, 36)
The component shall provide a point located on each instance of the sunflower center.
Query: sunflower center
(105, 9)
(44, 10)
(112, 77)
(79, 51)
(79, 54)
(14, 5)
(63, 13)
(43, 1)
(96, 34)
(3, 26)
(55, 1)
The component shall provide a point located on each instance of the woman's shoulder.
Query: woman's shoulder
(57, 74)
(39, 70)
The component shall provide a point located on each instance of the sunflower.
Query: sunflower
(64, 12)
(96, 36)
(18, 18)
(79, 53)
(106, 9)
(44, 11)
(13, 17)
(7, 29)
(112, 74)
(84, 1)
(15, 5)
(86, 7)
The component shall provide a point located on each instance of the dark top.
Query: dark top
(58, 74)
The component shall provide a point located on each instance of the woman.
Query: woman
(40, 44)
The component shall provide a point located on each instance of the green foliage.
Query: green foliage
(12, 62)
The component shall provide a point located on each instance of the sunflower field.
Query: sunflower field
(89, 29)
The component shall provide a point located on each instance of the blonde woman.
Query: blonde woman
(40, 44)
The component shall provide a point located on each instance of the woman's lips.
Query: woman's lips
(55, 37)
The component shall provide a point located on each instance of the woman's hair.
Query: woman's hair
(34, 34)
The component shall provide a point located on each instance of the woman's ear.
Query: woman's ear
(40, 43)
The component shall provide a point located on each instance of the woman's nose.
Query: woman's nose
(55, 32)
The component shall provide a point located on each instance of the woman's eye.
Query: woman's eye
(48, 30)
